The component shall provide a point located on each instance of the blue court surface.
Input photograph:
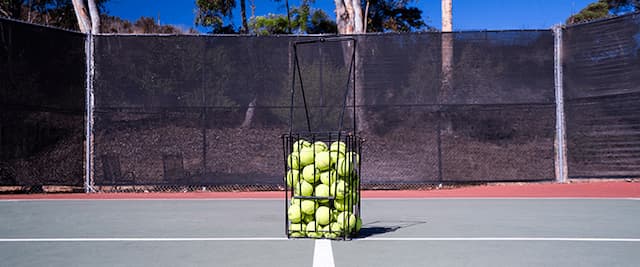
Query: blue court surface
(396, 232)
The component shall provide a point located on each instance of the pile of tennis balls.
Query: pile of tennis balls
(328, 173)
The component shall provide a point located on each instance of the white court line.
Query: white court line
(142, 199)
(365, 199)
(501, 198)
(565, 239)
(143, 239)
(323, 254)
(321, 244)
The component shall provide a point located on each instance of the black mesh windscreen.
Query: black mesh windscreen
(185, 110)
(190, 110)
(324, 83)
(42, 94)
(602, 87)
(209, 110)
(148, 109)
(471, 106)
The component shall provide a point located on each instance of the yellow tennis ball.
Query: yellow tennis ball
(338, 189)
(335, 227)
(322, 191)
(293, 161)
(323, 160)
(305, 189)
(339, 204)
(312, 231)
(344, 167)
(328, 177)
(338, 146)
(331, 233)
(334, 156)
(307, 218)
(346, 220)
(298, 227)
(293, 177)
(320, 146)
(334, 214)
(358, 224)
(311, 174)
(300, 144)
(353, 156)
(308, 206)
(306, 156)
(294, 213)
(297, 234)
(323, 215)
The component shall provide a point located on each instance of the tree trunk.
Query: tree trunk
(447, 49)
(446, 87)
(248, 116)
(349, 21)
(84, 23)
(14, 10)
(243, 14)
(95, 17)
(288, 17)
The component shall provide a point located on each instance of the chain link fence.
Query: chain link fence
(194, 112)
(602, 81)
(42, 103)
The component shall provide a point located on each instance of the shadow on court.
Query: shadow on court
(383, 227)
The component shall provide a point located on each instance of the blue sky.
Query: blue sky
(467, 14)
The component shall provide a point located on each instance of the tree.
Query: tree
(11, 8)
(321, 23)
(447, 49)
(619, 7)
(350, 21)
(82, 15)
(349, 16)
(604, 9)
(593, 11)
(382, 15)
(211, 13)
(305, 20)
(270, 24)
(394, 16)
(59, 13)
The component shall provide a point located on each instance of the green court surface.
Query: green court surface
(396, 232)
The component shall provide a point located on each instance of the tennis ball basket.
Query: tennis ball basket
(322, 165)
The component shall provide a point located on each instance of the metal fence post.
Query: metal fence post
(560, 140)
(89, 99)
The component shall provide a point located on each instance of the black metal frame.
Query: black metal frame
(352, 203)
(352, 141)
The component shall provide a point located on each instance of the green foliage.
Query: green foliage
(593, 11)
(321, 23)
(59, 13)
(304, 19)
(619, 7)
(211, 13)
(11, 8)
(271, 24)
(604, 9)
(111, 24)
(394, 16)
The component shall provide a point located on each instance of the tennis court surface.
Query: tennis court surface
(518, 225)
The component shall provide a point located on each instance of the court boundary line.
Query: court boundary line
(275, 199)
(196, 239)
(323, 254)
(545, 239)
(139, 239)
